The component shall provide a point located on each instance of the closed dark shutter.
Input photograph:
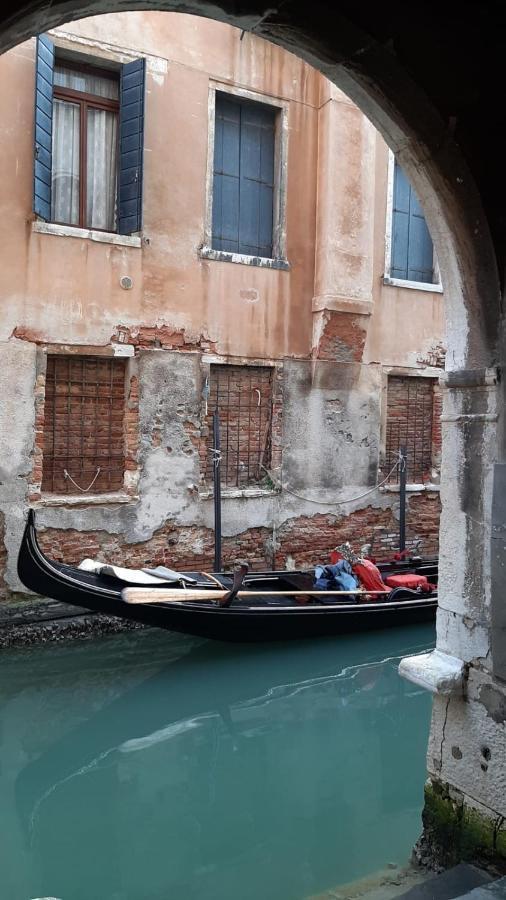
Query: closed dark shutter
(243, 178)
(131, 146)
(44, 72)
(412, 250)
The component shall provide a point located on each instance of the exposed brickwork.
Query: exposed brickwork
(128, 435)
(164, 337)
(250, 404)
(342, 337)
(84, 424)
(189, 547)
(437, 438)
(34, 488)
(434, 357)
(3, 558)
(131, 431)
(422, 521)
(302, 542)
(410, 414)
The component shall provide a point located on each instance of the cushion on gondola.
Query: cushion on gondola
(410, 580)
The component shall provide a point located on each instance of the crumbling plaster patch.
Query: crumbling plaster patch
(17, 382)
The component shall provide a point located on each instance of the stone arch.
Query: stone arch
(449, 149)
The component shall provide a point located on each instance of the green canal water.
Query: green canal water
(150, 766)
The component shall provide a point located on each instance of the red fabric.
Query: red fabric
(369, 576)
(335, 556)
(408, 581)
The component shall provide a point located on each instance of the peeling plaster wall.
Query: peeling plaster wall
(326, 315)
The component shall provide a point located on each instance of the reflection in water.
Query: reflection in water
(150, 766)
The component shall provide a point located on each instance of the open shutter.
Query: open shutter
(44, 71)
(131, 145)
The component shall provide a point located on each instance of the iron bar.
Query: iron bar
(402, 498)
(217, 490)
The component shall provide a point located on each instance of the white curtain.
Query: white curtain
(65, 168)
(101, 175)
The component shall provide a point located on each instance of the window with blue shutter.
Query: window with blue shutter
(89, 135)
(44, 69)
(243, 176)
(412, 257)
(131, 146)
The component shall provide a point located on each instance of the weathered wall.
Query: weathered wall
(326, 316)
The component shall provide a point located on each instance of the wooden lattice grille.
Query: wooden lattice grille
(410, 406)
(244, 398)
(83, 424)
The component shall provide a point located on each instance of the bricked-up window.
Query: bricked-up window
(410, 413)
(249, 406)
(84, 424)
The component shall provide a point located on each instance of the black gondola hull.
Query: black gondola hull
(235, 623)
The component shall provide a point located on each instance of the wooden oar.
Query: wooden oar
(177, 595)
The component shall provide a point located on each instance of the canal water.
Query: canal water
(150, 766)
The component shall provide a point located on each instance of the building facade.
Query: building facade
(194, 219)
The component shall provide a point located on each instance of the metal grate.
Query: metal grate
(83, 424)
(243, 396)
(409, 424)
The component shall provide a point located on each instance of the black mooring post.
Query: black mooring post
(217, 490)
(402, 498)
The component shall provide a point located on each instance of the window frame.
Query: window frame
(87, 101)
(278, 259)
(432, 287)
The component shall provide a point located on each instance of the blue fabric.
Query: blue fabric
(338, 577)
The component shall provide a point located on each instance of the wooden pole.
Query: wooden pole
(217, 489)
(402, 499)
(178, 595)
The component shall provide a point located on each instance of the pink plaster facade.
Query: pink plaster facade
(67, 289)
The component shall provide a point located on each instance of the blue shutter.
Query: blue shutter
(412, 250)
(131, 146)
(243, 182)
(44, 74)
(227, 141)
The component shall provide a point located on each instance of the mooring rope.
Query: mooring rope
(400, 463)
(78, 486)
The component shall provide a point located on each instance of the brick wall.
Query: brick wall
(127, 437)
(342, 337)
(300, 542)
(410, 418)
(250, 402)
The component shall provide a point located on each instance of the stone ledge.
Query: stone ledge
(41, 621)
(262, 262)
(435, 671)
(89, 234)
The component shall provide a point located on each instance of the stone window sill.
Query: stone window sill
(243, 259)
(238, 493)
(413, 285)
(101, 237)
(395, 488)
(48, 500)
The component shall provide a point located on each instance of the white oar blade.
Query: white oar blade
(169, 595)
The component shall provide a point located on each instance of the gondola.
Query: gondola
(272, 611)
